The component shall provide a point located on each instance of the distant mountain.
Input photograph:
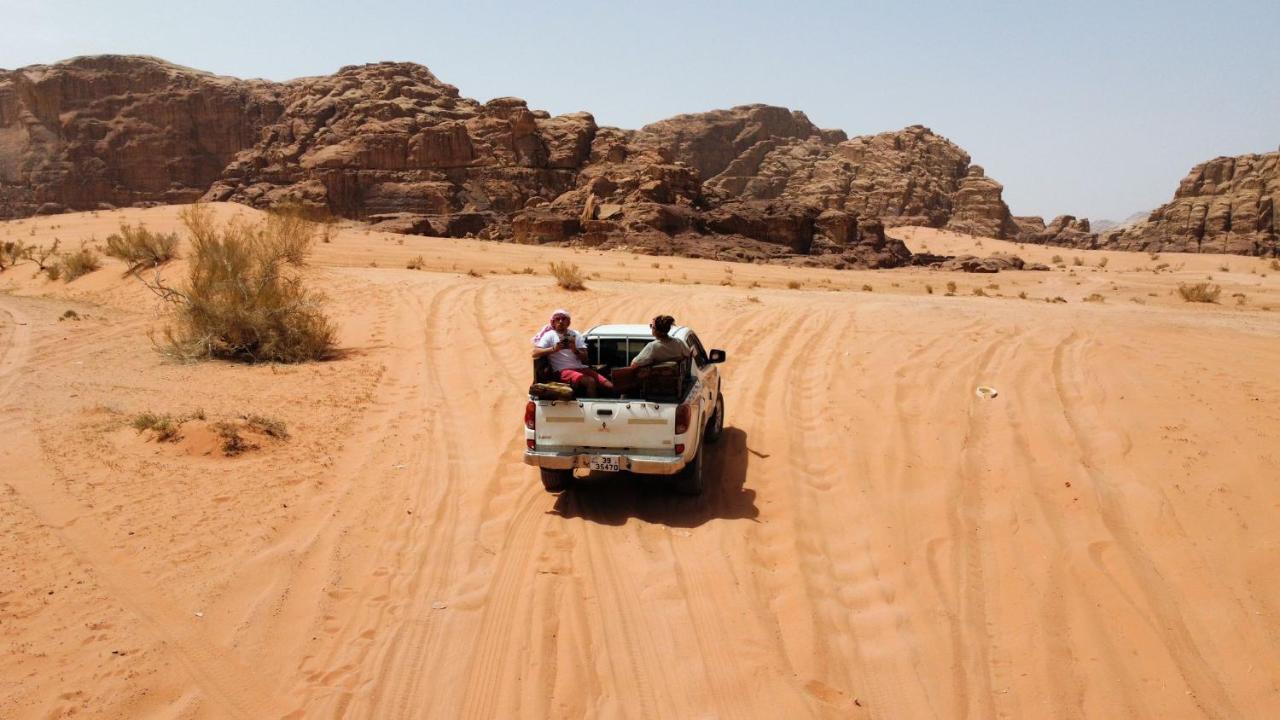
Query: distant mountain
(1105, 225)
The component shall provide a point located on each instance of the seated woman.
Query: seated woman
(566, 350)
(664, 348)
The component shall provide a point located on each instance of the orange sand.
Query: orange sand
(1100, 540)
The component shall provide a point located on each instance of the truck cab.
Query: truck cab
(657, 425)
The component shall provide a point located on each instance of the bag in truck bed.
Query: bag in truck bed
(551, 391)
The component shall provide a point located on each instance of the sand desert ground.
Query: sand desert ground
(1100, 540)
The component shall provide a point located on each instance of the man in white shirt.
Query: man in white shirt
(566, 351)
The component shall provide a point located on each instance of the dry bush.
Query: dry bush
(568, 275)
(1022, 295)
(240, 301)
(1102, 261)
(867, 288)
(1224, 268)
(1200, 292)
(1275, 264)
(1095, 298)
(793, 284)
(76, 264)
(42, 256)
(979, 292)
(166, 427)
(416, 263)
(753, 299)
(951, 287)
(1057, 260)
(473, 273)
(1055, 299)
(268, 426)
(69, 315)
(233, 443)
(1077, 261)
(527, 271)
(140, 248)
(928, 288)
(13, 252)
(292, 230)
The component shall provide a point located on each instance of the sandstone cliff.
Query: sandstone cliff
(392, 144)
(121, 131)
(1226, 205)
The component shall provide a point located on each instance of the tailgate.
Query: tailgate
(605, 423)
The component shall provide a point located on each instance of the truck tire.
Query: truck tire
(556, 480)
(689, 481)
(716, 425)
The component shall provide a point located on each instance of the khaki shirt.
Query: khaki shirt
(660, 351)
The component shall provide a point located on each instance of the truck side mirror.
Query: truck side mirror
(716, 356)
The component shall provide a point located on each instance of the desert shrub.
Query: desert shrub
(140, 248)
(1077, 261)
(527, 271)
(233, 443)
(1055, 299)
(292, 230)
(928, 288)
(951, 287)
(79, 263)
(416, 263)
(1022, 295)
(793, 284)
(268, 426)
(69, 315)
(240, 301)
(753, 299)
(979, 292)
(42, 256)
(1224, 268)
(1275, 264)
(568, 275)
(1096, 298)
(474, 273)
(1241, 298)
(166, 427)
(13, 252)
(1057, 260)
(867, 288)
(1199, 292)
(1102, 261)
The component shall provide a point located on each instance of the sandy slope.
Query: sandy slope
(1098, 541)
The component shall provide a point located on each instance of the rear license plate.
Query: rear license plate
(605, 463)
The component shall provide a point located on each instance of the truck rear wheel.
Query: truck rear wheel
(556, 480)
(689, 481)
(716, 425)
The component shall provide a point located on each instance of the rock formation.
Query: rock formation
(119, 130)
(907, 177)
(392, 144)
(1226, 205)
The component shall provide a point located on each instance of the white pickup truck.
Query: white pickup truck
(657, 427)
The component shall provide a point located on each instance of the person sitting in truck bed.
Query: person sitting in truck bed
(664, 348)
(566, 350)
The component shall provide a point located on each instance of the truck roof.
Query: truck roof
(635, 330)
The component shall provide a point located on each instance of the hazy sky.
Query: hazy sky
(1093, 109)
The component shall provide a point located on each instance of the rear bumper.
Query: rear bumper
(639, 464)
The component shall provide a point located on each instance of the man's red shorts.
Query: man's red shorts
(574, 375)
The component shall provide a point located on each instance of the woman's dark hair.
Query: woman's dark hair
(662, 324)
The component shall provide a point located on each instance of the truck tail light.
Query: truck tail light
(531, 416)
(679, 448)
(682, 419)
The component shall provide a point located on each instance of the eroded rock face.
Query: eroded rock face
(393, 144)
(1227, 205)
(120, 130)
(907, 177)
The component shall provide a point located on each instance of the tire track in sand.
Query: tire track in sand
(1169, 624)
